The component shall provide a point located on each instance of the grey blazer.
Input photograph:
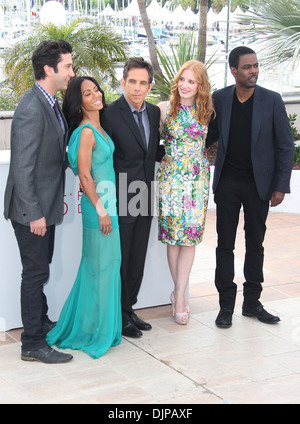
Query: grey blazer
(35, 184)
(272, 144)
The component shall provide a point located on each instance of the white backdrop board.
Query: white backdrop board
(157, 283)
(156, 286)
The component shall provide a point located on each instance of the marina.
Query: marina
(18, 18)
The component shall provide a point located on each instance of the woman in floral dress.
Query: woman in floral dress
(183, 176)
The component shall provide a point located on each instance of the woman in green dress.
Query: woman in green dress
(183, 176)
(91, 318)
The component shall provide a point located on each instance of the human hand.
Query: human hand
(105, 224)
(277, 198)
(104, 219)
(38, 227)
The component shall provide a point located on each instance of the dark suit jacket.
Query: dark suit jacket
(35, 184)
(131, 157)
(272, 147)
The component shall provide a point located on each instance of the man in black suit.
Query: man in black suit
(253, 169)
(133, 125)
(35, 189)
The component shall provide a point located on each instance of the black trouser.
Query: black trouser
(134, 242)
(229, 197)
(36, 255)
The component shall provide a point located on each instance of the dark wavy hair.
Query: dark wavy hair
(48, 53)
(73, 99)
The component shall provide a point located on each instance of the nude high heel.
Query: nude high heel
(180, 317)
(187, 308)
(172, 299)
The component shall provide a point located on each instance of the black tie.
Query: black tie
(141, 126)
(57, 113)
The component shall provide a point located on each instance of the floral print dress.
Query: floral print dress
(183, 180)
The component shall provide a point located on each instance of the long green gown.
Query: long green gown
(91, 319)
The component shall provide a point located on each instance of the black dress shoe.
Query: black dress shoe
(139, 323)
(261, 314)
(47, 355)
(130, 330)
(48, 326)
(224, 318)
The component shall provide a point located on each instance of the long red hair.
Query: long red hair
(204, 104)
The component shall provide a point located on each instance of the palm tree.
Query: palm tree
(275, 24)
(96, 48)
(151, 43)
(186, 49)
(203, 7)
(202, 29)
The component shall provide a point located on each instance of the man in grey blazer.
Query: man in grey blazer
(35, 189)
(252, 169)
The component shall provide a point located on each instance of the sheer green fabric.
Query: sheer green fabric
(91, 319)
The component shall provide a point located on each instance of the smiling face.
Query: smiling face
(246, 74)
(91, 97)
(136, 86)
(187, 87)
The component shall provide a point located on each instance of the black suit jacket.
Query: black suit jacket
(272, 147)
(132, 162)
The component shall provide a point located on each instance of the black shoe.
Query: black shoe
(224, 319)
(48, 326)
(130, 330)
(139, 323)
(47, 355)
(261, 314)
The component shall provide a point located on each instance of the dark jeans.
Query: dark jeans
(36, 255)
(134, 242)
(229, 197)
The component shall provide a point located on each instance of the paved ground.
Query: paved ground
(194, 364)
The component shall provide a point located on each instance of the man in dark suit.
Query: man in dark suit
(35, 189)
(133, 125)
(252, 169)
